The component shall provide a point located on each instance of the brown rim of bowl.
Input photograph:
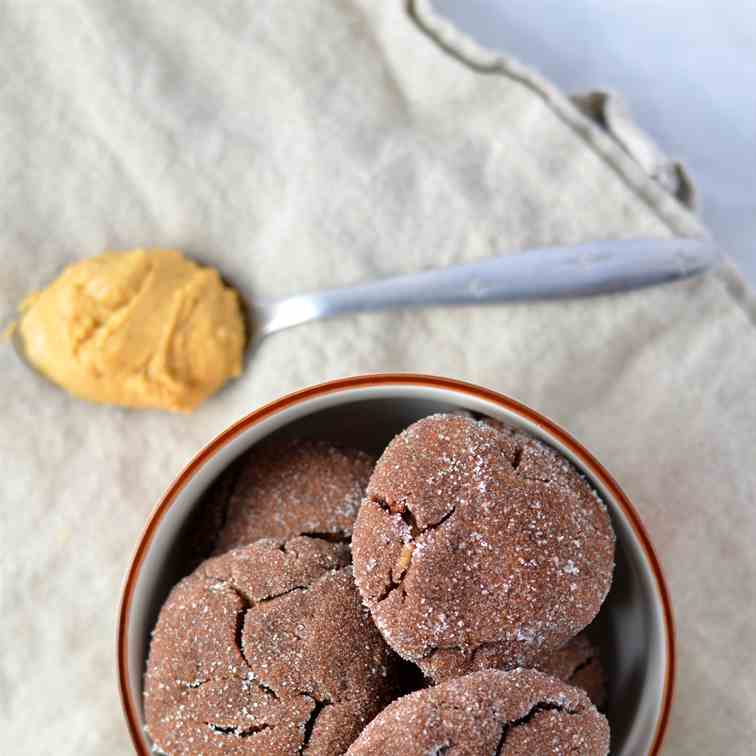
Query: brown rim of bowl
(384, 379)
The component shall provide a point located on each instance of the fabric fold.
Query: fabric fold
(303, 145)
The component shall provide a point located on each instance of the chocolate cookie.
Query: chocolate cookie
(578, 664)
(266, 650)
(479, 548)
(288, 488)
(518, 713)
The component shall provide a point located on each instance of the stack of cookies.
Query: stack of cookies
(432, 602)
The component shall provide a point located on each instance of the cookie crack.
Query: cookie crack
(439, 523)
(502, 739)
(507, 727)
(517, 457)
(410, 521)
(328, 537)
(241, 616)
(268, 599)
(390, 588)
(266, 689)
(309, 727)
(239, 732)
(404, 562)
(409, 517)
(516, 462)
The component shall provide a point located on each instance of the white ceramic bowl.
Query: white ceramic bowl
(634, 628)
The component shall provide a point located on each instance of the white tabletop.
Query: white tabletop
(685, 68)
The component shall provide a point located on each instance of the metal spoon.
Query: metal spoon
(600, 267)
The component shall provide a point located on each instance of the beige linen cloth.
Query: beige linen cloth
(310, 144)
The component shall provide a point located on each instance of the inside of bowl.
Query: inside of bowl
(628, 629)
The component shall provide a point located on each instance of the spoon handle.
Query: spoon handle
(599, 267)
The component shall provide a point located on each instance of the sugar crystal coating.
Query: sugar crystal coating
(489, 712)
(479, 547)
(266, 650)
(286, 488)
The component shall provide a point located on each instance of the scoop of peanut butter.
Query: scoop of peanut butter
(143, 328)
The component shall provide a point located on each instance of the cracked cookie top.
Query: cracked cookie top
(479, 547)
(516, 713)
(266, 650)
(287, 488)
